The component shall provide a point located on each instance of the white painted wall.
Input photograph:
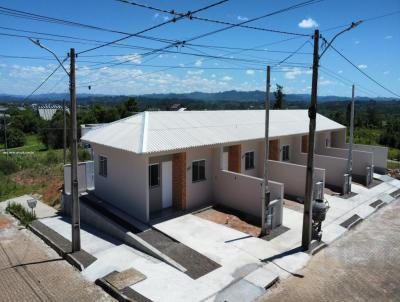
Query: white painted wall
(126, 184)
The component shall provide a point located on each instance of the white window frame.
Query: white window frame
(254, 160)
(288, 153)
(205, 165)
(101, 172)
(159, 176)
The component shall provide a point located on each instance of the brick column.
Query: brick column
(234, 158)
(179, 180)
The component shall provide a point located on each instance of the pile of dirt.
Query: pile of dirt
(395, 173)
(51, 192)
(230, 220)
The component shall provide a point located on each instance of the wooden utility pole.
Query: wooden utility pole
(312, 114)
(76, 240)
(266, 193)
(350, 157)
(65, 134)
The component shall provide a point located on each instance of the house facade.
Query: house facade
(189, 159)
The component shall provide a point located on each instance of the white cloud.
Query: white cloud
(198, 63)
(166, 18)
(250, 71)
(195, 71)
(134, 58)
(386, 72)
(388, 37)
(356, 42)
(227, 78)
(326, 82)
(241, 18)
(362, 66)
(291, 74)
(308, 23)
(213, 75)
(340, 71)
(156, 15)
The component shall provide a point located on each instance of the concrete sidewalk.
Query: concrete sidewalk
(247, 264)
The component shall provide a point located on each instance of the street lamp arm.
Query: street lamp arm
(37, 42)
(352, 25)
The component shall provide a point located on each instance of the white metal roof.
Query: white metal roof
(159, 131)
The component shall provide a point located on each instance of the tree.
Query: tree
(52, 132)
(15, 138)
(279, 97)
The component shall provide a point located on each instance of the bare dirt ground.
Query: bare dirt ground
(31, 271)
(361, 266)
(229, 220)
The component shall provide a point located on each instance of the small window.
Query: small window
(103, 166)
(285, 153)
(327, 142)
(198, 170)
(154, 175)
(249, 160)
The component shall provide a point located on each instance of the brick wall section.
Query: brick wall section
(179, 180)
(234, 158)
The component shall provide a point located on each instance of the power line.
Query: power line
(182, 43)
(346, 81)
(363, 72)
(44, 81)
(173, 20)
(174, 13)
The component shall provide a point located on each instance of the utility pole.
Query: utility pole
(75, 210)
(76, 240)
(312, 114)
(350, 157)
(5, 134)
(65, 133)
(266, 193)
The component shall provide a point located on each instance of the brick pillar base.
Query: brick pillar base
(234, 158)
(179, 180)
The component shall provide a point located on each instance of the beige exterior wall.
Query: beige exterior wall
(293, 176)
(126, 184)
(244, 193)
(199, 193)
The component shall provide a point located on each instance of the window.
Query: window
(285, 153)
(103, 166)
(198, 170)
(327, 142)
(249, 160)
(154, 175)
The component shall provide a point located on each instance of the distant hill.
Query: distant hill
(231, 96)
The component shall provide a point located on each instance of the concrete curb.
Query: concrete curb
(76, 259)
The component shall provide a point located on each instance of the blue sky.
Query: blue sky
(374, 46)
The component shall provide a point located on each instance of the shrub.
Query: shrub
(51, 157)
(24, 216)
(7, 166)
(15, 138)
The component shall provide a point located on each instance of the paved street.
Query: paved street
(31, 271)
(363, 265)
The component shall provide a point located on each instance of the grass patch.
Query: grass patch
(25, 217)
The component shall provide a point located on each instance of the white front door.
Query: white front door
(166, 184)
(225, 158)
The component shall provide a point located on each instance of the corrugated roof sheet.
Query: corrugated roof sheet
(160, 131)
